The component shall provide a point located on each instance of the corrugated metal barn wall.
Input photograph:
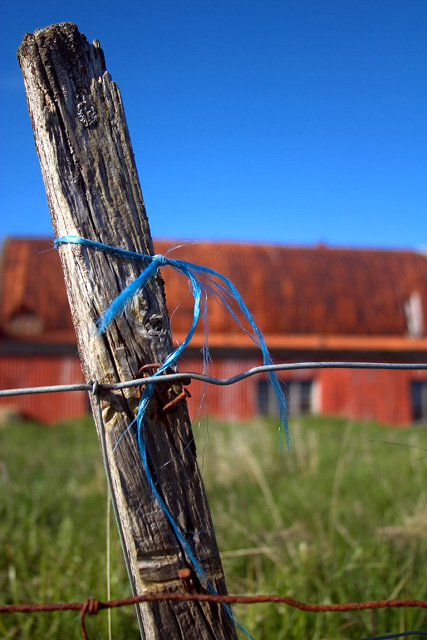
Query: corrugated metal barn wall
(30, 371)
(380, 395)
(233, 402)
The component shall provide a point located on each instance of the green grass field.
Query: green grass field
(343, 518)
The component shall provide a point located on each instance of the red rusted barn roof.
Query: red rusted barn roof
(307, 295)
(322, 291)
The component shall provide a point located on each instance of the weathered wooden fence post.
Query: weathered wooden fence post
(93, 191)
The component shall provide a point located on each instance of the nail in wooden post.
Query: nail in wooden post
(93, 191)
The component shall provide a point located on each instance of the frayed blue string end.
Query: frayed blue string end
(203, 282)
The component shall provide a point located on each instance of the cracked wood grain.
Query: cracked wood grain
(93, 191)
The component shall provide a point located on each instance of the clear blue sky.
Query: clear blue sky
(290, 121)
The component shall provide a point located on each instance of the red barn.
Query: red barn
(312, 304)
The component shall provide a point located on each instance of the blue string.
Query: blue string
(201, 282)
(397, 635)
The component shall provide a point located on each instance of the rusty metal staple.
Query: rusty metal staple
(92, 606)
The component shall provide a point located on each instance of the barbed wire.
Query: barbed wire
(92, 606)
(88, 386)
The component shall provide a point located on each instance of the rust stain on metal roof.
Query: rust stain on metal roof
(291, 291)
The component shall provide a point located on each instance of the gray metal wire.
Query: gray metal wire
(222, 382)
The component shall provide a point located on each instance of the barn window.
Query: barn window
(299, 396)
(419, 400)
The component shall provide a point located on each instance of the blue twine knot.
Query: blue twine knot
(161, 260)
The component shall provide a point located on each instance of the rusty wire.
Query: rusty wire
(92, 606)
